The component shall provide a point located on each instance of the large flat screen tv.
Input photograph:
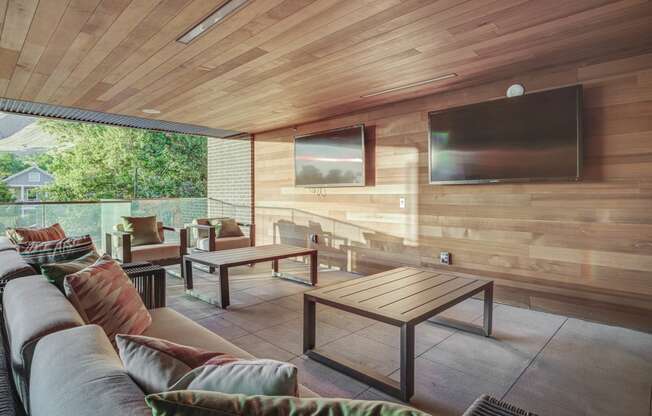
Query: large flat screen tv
(532, 137)
(330, 158)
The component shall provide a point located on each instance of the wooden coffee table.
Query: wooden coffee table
(402, 297)
(224, 259)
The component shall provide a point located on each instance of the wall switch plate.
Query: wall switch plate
(401, 202)
(445, 258)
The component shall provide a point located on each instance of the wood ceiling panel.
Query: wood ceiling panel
(275, 63)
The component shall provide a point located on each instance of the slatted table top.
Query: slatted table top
(404, 295)
(245, 255)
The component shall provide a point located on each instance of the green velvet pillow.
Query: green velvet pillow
(204, 403)
(56, 272)
(143, 230)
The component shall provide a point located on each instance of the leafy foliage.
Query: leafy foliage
(5, 193)
(101, 162)
(10, 164)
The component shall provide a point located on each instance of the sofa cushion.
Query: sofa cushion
(56, 272)
(205, 403)
(24, 235)
(153, 252)
(32, 309)
(105, 296)
(268, 377)
(6, 244)
(36, 253)
(77, 372)
(156, 364)
(12, 266)
(225, 243)
(143, 230)
(171, 325)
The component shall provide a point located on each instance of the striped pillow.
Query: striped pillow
(104, 295)
(53, 232)
(37, 253)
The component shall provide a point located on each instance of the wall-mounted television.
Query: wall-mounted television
(330, 158)
(533, 137)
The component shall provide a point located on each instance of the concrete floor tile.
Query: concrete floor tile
(222, 327)
(262, 349)
(257, 317)
(326, 381)
(365, 352)
(427, 335)
(289, 335)
(341, 319)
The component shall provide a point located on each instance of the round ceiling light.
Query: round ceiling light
(150, 111)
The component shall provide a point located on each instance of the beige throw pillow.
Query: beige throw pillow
(143, 230)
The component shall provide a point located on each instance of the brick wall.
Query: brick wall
(229, 177)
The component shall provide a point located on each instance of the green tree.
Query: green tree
(5, 193)
(10, 164)
(102, 162)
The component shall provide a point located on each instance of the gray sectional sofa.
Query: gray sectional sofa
(62, 366)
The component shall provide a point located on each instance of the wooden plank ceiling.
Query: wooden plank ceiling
(277, 63)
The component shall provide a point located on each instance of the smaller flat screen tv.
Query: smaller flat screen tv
(330, 159)
(533, 137)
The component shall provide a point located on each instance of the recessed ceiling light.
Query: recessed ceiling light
(150, 111)
(220, 14)
(414, 84)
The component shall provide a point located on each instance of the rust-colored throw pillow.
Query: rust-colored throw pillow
(104, 295)
(24, 235)
(229, 228)
(156, 364)
(143, 230)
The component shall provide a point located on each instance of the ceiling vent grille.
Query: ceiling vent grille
(74, 114)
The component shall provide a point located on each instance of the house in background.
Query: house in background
(23, 183)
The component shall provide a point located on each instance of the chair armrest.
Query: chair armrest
(126, 244)
(150, 281)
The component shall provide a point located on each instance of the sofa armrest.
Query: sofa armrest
(150, 281)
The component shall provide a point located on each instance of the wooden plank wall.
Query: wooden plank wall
(583, 249)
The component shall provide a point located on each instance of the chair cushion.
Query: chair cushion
(37, 253)
(229, 228)
(206, 403)
(23, 235)
(153, 252)
(225, 243)
(104, 295)
(143, 230)
(32, 309)
(156, 364)
(56, 272)
(268, 377)
(77, 372)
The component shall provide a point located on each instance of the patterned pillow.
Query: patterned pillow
(267, 377)
(104, 295)
(56, 272)
(208, 403)
(156, 364)
(37, 253)
(23, 235)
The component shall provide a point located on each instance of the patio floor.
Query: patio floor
(549, 364)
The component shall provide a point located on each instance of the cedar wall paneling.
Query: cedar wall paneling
(583, 249)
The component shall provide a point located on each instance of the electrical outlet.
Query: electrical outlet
(445, 258)
(314, 238)
(401, 203)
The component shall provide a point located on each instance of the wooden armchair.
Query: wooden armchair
(203, 236)
(118, 246)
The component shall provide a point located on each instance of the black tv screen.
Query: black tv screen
(532, 137)
(331, 158)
